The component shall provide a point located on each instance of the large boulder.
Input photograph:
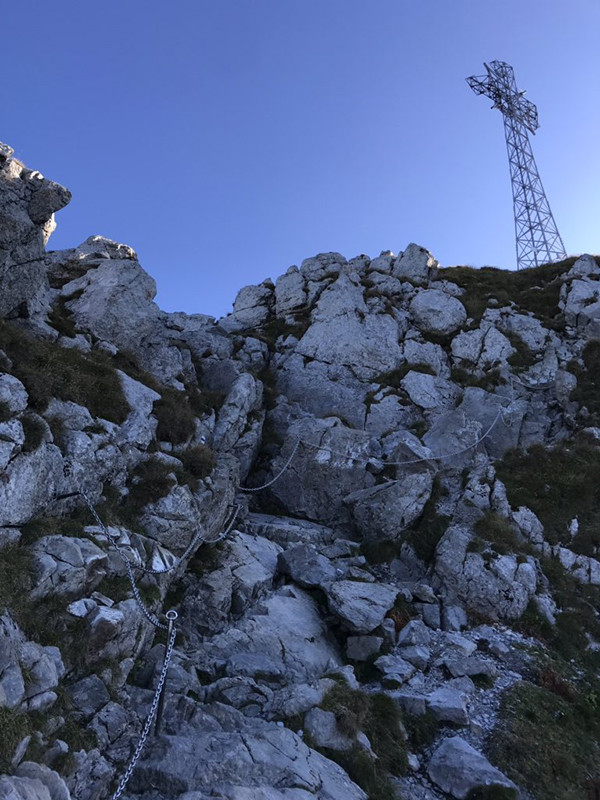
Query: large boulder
(415, 264)
(436, 312)
(499, 586)
(114, 302)
(458, 769)
(384, 511)
(361, 607)
(342, 332)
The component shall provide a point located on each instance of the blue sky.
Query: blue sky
(228, 139)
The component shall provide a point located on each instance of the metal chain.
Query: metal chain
(150, 719)
(276, 478)
(127, 563)
(189, 548)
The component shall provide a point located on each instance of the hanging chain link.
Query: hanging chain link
(276, 478)
(153, 708)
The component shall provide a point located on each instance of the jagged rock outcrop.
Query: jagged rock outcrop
(377, 588)
(27, 205)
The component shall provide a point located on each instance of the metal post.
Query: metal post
(171, 617)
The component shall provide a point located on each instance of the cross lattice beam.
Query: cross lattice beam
(537, 238)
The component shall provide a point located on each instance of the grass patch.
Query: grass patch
(176, 418)
(490, 380)
(379, 717)
(149, 482)
(198, 463)
(57, 526)
(548, 743)
(15, 576)
(5, 412)
(577, 619)
(15, 725)
(422, 729)
(501, 534)
(34, 430)
(537, 289)
(61, 319)
(557, 485)
(425, 533)
(587, 391)
(394, 377)
(270, 332)
(524, 357)
(47, 370)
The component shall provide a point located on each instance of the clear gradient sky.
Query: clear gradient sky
(228, 139)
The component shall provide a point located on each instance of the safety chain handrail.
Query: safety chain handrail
(172, 614)
(502, 411)
(153, 708)
(127, 563)
(276, 478)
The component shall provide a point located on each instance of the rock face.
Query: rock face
(27, 205)
(320, 485)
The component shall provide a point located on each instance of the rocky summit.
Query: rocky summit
(343, 543)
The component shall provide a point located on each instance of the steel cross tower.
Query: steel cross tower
(537, 237)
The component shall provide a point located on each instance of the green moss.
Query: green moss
(546, 743)
(557, 485)
(48, 371)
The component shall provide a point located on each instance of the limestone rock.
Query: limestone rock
(457, 768)
(415, 264)
(342, 332)
(306, 567)
(395, 670)
(448, 705)
(27, 205)
(361, 606)
(429, 392)
(114, 302)
(51, 781)
(67, 566)
(384, 511)
(501, 590)
(33, 479)
(13, 394)
(323, 729)
(436, 312)
(290, 292)
(250, 309)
